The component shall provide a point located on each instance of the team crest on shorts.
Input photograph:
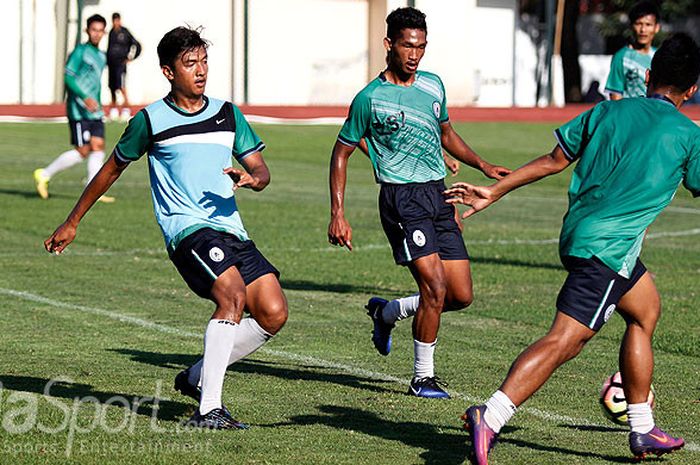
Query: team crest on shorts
(419, 238)
(216, 254)
(608, 312)
(436, 109)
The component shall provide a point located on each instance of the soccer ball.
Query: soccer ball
(612, 399)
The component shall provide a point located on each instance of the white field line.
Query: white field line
(305, 359)
(158, 253)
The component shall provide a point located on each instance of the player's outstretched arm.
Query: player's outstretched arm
(455, 146)
(102, 181)
(256, 175)
(339, 230)
(480, 197)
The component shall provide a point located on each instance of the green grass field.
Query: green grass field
(111, 320)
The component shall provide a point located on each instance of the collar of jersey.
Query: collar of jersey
(663, 98)
(169, 101)
(383, 78)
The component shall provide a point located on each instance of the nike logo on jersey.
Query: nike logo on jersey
(219, 121)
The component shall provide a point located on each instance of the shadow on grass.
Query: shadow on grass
(300, 285)
(265, 368)
(570, 452)
(443, 446)
(518, 263)
(31, 194)
(145, 405)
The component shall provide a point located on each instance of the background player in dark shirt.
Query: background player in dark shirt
(121, 49)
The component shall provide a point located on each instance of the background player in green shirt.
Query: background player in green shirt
(629, 65)
(402, 118)
(632, 155)
(83, 76)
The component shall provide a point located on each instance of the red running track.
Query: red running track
(470, 114)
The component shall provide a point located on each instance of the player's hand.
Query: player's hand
(241, 178)
(452, 165)
(340, 232)
(494, 171)
(477, 197)
(60, 239)
(91, 104)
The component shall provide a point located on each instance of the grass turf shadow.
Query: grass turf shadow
(167, 410)
(443, 446)
(265, 368)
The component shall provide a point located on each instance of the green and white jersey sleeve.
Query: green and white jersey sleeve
(247, 141)
(134, 142)
(691, 180)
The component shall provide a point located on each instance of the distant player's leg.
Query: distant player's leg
(96, 156)
(429, 273)
(114, 85)
(641, 307)
(81, 148)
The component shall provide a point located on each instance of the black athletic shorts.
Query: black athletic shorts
(116, 73)
(81, 131)
(592, 290)
(205, 254)
(418, 222)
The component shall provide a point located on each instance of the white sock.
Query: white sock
(249, 337)
(218, 343)
(94, 163)
(63, 162)
(400, 309)
(640, 418)
(499, 409)
(423, 366)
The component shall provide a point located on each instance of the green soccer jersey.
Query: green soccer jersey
(628, 71)
(632, 155)
(83, 75)
(402, 128)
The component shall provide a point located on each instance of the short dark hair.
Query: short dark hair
(116, 16)
(643, 8)
(179, 40)
(404, 18)
(96, 19)
(676, 63)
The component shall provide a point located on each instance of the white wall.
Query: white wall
(300, 52)
(306, 51)
(148, 21)
(451, 46)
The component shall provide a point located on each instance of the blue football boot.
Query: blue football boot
(381, 334)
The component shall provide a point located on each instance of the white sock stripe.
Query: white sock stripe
(302, 359)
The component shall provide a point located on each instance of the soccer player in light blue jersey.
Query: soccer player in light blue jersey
(190, 140)
(631, 155)
(400, 120)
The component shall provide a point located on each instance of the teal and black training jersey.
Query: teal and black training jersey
(83, 79)
(402, 128)
(628, 72)
(632, 156)
(187, 153)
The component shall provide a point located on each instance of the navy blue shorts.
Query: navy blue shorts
(81, 131)
(205, 254)
(116, 73)
(418, 222)
(592, 290)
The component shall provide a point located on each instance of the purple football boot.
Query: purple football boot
(656, 442)
(483, 437)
